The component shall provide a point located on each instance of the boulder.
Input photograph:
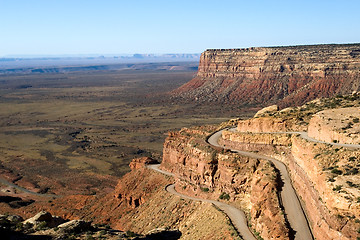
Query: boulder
(272, 108)
(14, 219)
(288, 109)
(137, 163)
(74, 226)
(42, 216)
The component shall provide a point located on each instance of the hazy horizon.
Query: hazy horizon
(130, 55)
(89, 55)
(44, 27)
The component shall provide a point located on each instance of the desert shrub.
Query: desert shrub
(331, 179)
(41, 226)
(89, 237)
(349, 125)
(352, 159)
(351, 184)
(130, 234)
(337, 188)
(352, 171)
(27, 226)
(224, 196)
(205, 189)
(258, 236)
(336, 171)
(71, 237)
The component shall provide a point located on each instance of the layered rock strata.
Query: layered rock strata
(284, 75)
(140, 204)
(336, 125)
(323, 176)
(251, 184)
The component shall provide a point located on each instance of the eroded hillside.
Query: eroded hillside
(281, 75)
(324, 172)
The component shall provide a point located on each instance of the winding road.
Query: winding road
(236, 216)
(7, 183)
(289, 199)
(305, 136)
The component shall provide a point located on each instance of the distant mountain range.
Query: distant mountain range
(62, 67)
(124, 56)
(15, 62)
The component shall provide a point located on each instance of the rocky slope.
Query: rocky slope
(330, 196)
(250, 184)
(138, 204)
(283, 75)
(45, 226)
(336, 125)
(325, 176)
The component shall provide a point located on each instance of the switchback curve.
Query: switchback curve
(236, 216)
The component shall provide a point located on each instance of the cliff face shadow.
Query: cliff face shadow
(280, 186)
(164, 235)
(15, 202)
(10, 235)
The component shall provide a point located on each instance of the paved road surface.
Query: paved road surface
(290, 200)
(236, 216)
(3, 181)
(305, 136)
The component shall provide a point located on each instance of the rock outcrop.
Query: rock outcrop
(263, 124)
(336, 125)
(138, 163)
(269, 109)
(74, 226)
(326, 177)
(12, 228)
(138, 205)
(331, 211)
(271, 75)
(249, 183)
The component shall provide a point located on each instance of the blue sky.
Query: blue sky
(144, 26)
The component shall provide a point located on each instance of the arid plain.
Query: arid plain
(76, 132)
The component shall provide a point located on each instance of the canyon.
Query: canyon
(324, 175)
(285, 76)
(211, 174)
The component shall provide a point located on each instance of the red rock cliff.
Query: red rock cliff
(284, 75)
(247, 183)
